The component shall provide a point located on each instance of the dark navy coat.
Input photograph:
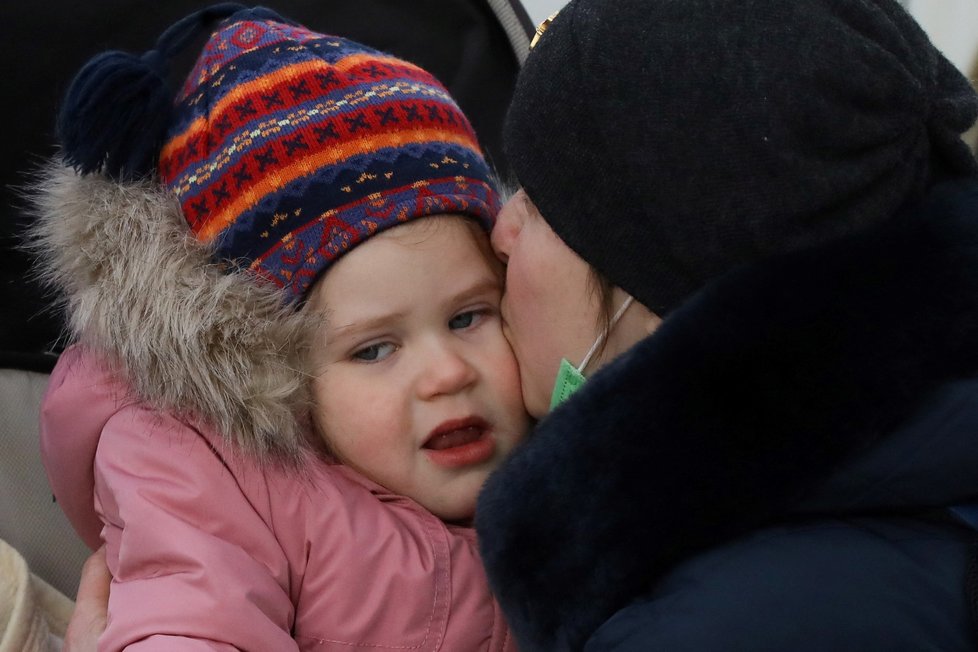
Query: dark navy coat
(771, 469)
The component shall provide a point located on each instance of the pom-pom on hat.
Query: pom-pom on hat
(669, 141)
(285, 148)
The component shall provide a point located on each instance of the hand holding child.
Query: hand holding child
(91, 606)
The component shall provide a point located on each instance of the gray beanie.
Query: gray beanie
(668, 141)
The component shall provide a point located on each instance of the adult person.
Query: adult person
(783, 190)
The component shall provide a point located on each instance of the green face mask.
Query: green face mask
(571, 378)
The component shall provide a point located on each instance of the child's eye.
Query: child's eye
(374, 352)
(464, 319)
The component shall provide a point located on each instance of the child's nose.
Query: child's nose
(444, 371)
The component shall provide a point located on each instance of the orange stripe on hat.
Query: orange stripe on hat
(263, 83)
(246, 199)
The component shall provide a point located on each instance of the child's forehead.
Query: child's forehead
(450, 236)
(419, 228)
(455, 246)
(464, 232)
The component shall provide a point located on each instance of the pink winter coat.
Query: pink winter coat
(210, 550)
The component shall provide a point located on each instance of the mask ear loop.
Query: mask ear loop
(604, 335)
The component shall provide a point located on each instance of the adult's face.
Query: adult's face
(551, 309)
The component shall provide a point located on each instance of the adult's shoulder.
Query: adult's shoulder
(856, 584)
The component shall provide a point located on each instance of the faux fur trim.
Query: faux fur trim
(745, 399)
(209, 346)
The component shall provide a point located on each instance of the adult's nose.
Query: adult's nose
(506, 229)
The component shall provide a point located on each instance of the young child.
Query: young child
(277, 420)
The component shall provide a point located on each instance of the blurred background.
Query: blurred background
(953, 27)
(540, 9)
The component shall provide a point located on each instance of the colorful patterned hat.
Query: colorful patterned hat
(286, 148)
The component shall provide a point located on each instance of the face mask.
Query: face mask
(571, 378)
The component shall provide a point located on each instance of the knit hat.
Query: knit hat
(285, 148)
(668, 141)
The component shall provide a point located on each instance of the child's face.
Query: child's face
(418, 389)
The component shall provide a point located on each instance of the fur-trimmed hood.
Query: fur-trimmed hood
(805, 383)
(216, 348)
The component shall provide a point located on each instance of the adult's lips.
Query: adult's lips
(460, 442)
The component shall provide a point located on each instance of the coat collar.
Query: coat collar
(219, 349)
(748, 397)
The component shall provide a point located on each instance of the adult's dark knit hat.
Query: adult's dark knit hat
(668, 141)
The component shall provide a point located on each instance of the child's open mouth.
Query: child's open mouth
(460, 442)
